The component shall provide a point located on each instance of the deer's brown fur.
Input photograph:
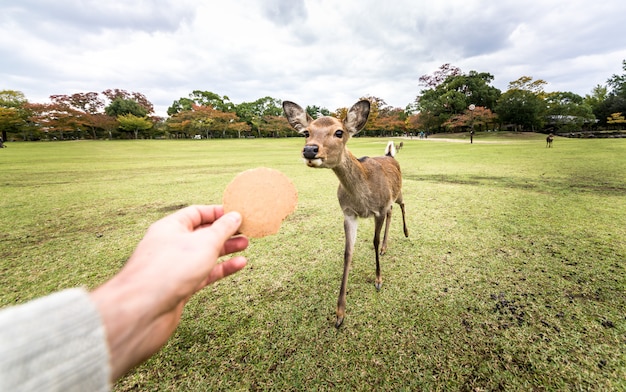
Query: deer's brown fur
(368, 187)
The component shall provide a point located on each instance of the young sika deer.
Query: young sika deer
(367, 186)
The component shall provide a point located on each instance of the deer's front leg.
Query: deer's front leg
(350, 224)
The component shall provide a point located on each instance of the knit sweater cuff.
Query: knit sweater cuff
(55, 343)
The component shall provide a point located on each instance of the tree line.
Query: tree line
(450, 100)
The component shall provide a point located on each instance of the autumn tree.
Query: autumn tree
(205, 120)
(56, 119)
(480, 119)
(616, 119)
(87, 108)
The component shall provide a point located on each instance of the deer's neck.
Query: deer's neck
(352, 174)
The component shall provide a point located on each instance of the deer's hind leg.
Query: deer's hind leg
(401, 204)
(378, 225)
(387, 218)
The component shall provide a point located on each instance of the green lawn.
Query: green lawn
(513, 277)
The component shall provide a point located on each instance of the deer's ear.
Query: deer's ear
(298, 118)
(357, 116)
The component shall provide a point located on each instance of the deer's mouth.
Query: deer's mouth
(314, 162)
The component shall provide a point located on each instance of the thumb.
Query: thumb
(226, 226)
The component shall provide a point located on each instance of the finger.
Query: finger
(235, 244)
(197, 215)
(222, 229)
(225, 269)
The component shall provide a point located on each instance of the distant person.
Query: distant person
(76, 340)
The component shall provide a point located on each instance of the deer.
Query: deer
(368, 187)
(549, 140)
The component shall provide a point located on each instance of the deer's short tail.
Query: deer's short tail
(390, 150)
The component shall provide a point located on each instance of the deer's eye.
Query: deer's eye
(339, 133)
(306, 134)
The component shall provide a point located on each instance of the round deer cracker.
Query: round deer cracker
(264, 197)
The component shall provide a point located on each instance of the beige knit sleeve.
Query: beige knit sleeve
(55, 343)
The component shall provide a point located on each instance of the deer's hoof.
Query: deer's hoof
(378, 285)
(339, 322)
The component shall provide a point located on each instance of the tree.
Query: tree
(523, 104)
(480, 118)
(527, 83)
(205, 120)
(618, 82)
(138, 98)
(87, 107)
(454, 95)
(256, 113)
(207, 98)
(56, 119)
(316, 111)
(131, 123)
(616, 119)
(12, 112)
(439, 76)
(123, 106)
(567, 111)
(521, 108)
(615, 101)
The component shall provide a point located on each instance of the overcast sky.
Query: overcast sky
(314, 52)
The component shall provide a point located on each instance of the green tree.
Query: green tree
(138, 98)
(454, 95)
(13, 112)
(131, 123)
(521, 108)
(567, 111)
(123, 106)
(256, 114)
(617, 83)
(615, 101)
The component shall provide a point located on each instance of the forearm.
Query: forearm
(130, 327)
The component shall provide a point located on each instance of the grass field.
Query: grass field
(513, 277)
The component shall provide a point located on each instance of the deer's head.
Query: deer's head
(326, 137)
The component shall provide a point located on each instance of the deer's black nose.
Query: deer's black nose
(310, 152)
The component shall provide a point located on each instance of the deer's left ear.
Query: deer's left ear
(298, 118)
(357, 116)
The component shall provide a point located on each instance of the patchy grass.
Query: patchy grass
(513, 277)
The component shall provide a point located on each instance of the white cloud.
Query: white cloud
(315, 52)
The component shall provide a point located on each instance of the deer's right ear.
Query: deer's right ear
(357, 116)
(298, 118)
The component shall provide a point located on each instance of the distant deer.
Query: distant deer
(367, 186)
(549, 140)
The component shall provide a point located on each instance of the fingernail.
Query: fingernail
(234, 216)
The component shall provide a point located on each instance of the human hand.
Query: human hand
(141, 306)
